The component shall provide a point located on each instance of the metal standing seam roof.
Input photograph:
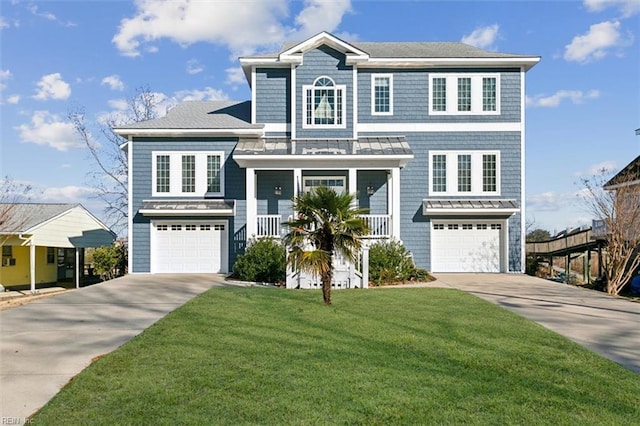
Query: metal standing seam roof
(184, 206)
(383, 145)
(24, 216)
(480, 204)
(202, 115)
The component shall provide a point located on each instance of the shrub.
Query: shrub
(110, 261)
(263, 261)
(390, 262)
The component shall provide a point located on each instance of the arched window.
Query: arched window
(324, 104)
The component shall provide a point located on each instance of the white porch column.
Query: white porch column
(395, 202)
(365, 265)
(32, 265)
(353, 181)
(78, 267)
(297, 182)
(252, 203)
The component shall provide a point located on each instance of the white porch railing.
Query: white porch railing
(269, 225)
(379, 225)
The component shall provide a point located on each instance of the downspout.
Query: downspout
(32, 262)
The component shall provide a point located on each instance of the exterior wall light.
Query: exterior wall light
(277, 190)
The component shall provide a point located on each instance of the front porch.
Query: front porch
(277, 169)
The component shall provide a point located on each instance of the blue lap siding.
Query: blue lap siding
(142, 163)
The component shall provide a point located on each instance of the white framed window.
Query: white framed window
(324, 104)
(337, 183)
(464, 173)
(187, 173)
(381, 94)
(464, 94)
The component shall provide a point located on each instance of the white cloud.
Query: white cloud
(4, 76)
(483, 37)
(4, 23)
(47, 129)
(194, 67)
(235, 76)
(49, 16)
(13, 99)
(597, 169)
(320, 15)
(207, 94)
(596, 43)
(52, 86)
(113, 81)
(552, 101)
(67, 194)
(627, 7)
(186, 22)
(549, 201)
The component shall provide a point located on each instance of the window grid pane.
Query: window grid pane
(489, 173)
(163, 173)
(382, 94)
(324, 106)
(464, 173)
(439, 173)
(188, 173)
(439, 95)
(309, 107)
(339, 106)
(464, 94)
(213, 173)
(489, 94)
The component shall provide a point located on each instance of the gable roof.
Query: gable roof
(630, 175)
(404, 54)
(203, 116)
(22, 217)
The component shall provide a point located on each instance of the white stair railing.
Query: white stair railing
(379, 225)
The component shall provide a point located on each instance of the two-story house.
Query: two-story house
(430, 136)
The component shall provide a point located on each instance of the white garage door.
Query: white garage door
(466, 246)
(189, 247)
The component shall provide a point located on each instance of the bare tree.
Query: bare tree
(11, 220)
(110, 178)
(617, 207)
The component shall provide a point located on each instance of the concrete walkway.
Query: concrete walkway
(47, 342)
(609, 326)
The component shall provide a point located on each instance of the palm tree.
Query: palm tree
(326, 223)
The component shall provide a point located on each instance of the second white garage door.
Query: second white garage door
(190, 247)
(466, 246)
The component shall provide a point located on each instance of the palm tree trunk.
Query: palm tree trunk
(326, 289)
(326, 283)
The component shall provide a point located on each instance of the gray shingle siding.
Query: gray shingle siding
(142, 163)
(273, 95)
(411, 97)
(415, 229)
(324, 61)
(376, 203)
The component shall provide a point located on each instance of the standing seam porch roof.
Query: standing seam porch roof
(384, 146)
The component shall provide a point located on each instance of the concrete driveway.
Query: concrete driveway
(47, 342)
(609, 326)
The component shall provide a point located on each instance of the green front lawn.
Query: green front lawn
(385, 356)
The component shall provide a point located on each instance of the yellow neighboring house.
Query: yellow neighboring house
(44, 243)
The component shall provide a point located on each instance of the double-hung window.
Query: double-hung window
(464, 173)
(193, 173)
(324, 104)
(382, 94)
(464, 94)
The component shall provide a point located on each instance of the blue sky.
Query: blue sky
(583, 98)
